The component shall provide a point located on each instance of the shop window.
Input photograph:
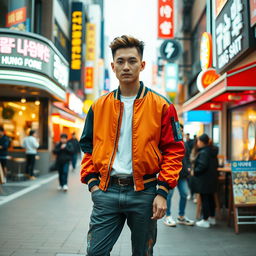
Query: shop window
(243, 133)
(19, 118)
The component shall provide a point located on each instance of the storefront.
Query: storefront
(33, 75)
(232, 97)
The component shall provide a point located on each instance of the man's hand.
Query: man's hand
(159, 207)
(94, 188)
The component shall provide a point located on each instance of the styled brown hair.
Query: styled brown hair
(125, 41)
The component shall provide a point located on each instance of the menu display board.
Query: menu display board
(244, 182)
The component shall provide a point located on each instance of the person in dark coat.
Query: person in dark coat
(63, 151)
(77, 150)
(205, 172)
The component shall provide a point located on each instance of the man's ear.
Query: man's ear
(113, 66)
(143, 65)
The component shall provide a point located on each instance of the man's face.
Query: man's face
(63, 140)
(127, 65)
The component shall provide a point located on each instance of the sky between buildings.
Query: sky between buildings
(136, 18)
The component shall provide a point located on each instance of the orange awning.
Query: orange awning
(236, 86)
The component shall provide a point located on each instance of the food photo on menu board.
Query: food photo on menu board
(244, 182)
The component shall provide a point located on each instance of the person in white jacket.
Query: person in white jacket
(31, 145)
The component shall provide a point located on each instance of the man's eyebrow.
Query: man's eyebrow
(129, 58)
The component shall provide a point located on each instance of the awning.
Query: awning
(65, 112)
(237, 86)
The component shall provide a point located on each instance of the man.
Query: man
(31, 145)
(63, 151)
(131, 142)
(4, 144)
(183, 191)
(76, 148)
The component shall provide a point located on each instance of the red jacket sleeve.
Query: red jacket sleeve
(173, 150)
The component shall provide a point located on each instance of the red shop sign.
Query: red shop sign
(166, 19)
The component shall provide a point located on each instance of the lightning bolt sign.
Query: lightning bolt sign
(169, 49)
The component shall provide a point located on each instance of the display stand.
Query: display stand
(244, 193)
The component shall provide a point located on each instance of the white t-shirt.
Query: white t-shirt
(30, 144)
(122, 165)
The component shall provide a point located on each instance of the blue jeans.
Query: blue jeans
(63, 173)
(74, 160)
(183, 190)
(110, 211)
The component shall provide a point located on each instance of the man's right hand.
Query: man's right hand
(94, 188)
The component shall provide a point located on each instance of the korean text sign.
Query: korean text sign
(25, 52)
(166, 19)
(244, 181)
(232, 33)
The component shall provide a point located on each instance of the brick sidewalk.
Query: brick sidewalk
(51, 223)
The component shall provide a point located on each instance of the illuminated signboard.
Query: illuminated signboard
(75, 104)
(206, 51)
(208, 74)
(89, 76)
(15, 17)
(77, 21)
(205, 78)
(18, 20)
(166, 19)
(90, 41)
(21, 50)
(233, 34)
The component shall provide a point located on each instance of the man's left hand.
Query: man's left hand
(159, 207)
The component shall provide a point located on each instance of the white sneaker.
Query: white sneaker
(169, 221)
(203, 223)
(185, 221)
(65, 188)
(188, 197)
(59, 188)
(212, 220)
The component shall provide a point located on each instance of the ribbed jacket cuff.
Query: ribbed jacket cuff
(91, 180)
(163, 189)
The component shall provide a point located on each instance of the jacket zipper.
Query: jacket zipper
(115, 144)
(132, 146)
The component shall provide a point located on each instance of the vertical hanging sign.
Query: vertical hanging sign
(90, 42)
(77, 21)
(166, 19)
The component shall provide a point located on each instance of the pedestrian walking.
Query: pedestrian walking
(4, 144)
(31, 145)
(76, 148)
(183, 191)
(64, 151)
(205, 172)
(192, 159)
(131, 142)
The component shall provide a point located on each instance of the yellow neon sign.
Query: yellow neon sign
(76, 41)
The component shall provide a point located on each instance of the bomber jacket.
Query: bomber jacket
(157, 146)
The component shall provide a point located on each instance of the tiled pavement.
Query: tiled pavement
(51, 223)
